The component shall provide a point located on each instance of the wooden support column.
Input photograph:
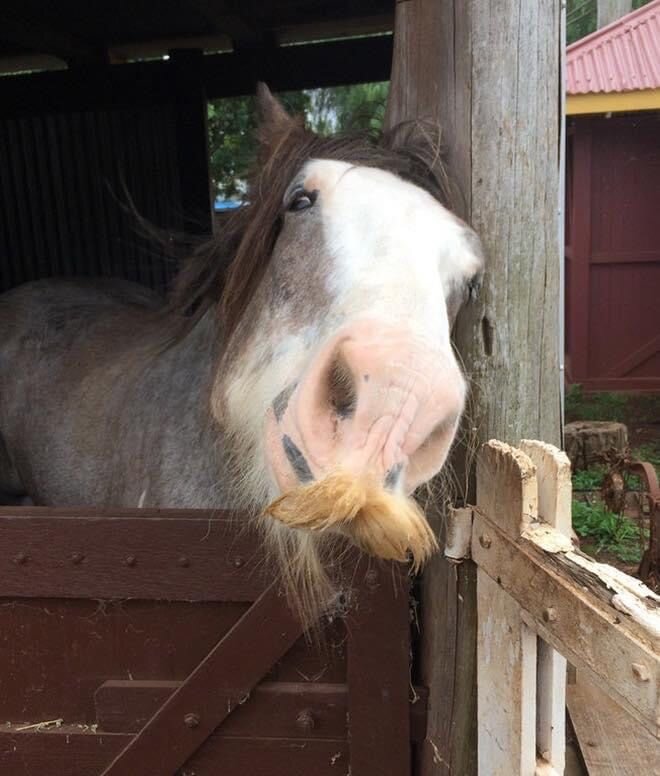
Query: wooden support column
(192, 140)
(578, 299)
(611, 10)
(488, 72)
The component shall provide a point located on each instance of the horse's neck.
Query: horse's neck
(171, 402)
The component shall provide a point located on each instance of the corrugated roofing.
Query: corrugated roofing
(623, 56)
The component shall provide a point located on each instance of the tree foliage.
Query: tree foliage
(231, 125)
(582, 17)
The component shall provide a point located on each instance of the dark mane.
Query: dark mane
(226, 270)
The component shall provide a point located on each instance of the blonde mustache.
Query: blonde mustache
(384, 524)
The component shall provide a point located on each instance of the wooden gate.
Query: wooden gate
(539, 602)
(145, 642)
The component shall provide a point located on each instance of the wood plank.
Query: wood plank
(314, 65)
(506, 646)
(612, 742)
(553, 477)
(574, 611)
(636, 358)
(639, 384)
(268, 757)
(165, 554)
(45, 642)
(276, 709)
(192, 141)
(578, 300)
(74, 751)
(506, 683)
(378, 671)
(625, 257)
(220, 683)
(507, 490)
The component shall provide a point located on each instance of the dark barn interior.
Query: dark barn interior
(105, 104)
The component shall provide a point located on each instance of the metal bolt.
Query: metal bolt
(77, 558)
(371, 579)
(191, 720)
(549, 614)
(485, 541)
(20, 559)
(238, 562)
(183, 562)
(130, 560)
(641, 672)
(305, 720)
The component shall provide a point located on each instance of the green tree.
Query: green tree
(581, 17)
(345, 108)
(231, 125)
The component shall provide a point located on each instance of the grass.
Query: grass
(592, 479)
(602, 531)
(595, 406)
(621, 407)
(650, 453)
(589, 479)
(608, 532)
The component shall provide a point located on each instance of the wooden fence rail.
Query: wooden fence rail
(540, 602)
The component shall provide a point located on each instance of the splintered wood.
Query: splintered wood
(541, 601)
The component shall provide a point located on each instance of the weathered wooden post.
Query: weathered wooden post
(488, 71)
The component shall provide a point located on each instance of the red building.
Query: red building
(613, 205)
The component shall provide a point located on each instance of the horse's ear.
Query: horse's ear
(272, 114)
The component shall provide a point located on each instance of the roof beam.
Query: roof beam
(38, 39)
(226, 19)
(309, 66)
(334, 29)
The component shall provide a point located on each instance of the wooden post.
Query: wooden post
(488, 72)
(578, 299)
(192, 140)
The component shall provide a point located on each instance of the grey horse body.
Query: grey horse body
(93, 411)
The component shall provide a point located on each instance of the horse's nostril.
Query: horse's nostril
(342, 396)
(392, 476)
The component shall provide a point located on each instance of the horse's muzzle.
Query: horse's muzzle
(377, 400)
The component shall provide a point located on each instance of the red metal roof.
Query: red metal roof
(622, 57)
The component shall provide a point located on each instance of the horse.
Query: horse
(301, 369)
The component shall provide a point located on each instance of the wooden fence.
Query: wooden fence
(541, 602)
(149, 643)
(144, 641)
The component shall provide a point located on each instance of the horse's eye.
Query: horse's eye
(302, 200)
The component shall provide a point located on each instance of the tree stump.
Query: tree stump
(586, 441)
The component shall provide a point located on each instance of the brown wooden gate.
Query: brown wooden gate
(144, 642)
(613, 252)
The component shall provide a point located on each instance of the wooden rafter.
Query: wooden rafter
(226, 19)
(39, 38)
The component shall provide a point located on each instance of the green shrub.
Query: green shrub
(589, 479)
(606, 531)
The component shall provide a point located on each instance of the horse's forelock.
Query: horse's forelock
(226, 270)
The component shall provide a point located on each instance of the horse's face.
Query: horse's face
(345, 359)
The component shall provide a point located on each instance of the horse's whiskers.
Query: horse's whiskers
(381, 523)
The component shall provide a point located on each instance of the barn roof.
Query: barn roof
(623, 56)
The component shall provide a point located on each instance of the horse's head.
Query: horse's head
(349, 272)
